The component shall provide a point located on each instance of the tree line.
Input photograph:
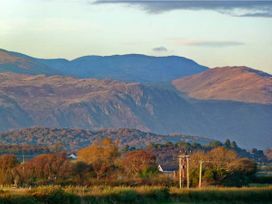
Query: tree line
(104, 163)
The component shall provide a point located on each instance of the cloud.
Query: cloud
(239, 8)
(160, 49)
(256, 14)
(211, 44)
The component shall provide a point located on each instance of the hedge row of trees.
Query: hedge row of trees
(255, 154)
(102, 162)
(223, 167)
(99, 161)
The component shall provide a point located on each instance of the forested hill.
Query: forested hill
(34, 141)
(73, 139)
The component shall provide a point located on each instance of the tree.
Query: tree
(215, 167)
(227, 144)
(243, 165)
(254, 151)
(138, 163)
(7, 164)
(240, 172)
(80, 171)
(221, 157)
(268, 154)
(58, 147)
(126, 148)
(222, 167)
(100, 155)
(234, 145)
(214, 144)
(46, 168)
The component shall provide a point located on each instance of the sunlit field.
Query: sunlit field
(143, 194)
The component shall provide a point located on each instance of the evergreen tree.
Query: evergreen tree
(227, 144)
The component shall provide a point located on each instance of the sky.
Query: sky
(213, 33)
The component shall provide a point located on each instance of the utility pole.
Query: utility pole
(179, 158)
(183, 170)
(23, 157)
(200, 173)
(188, 172)
(182, 159)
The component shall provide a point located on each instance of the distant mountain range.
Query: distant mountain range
(56, 101)
(220, 103)
(131, 67)
(74, 139)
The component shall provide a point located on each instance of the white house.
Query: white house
(72, 156)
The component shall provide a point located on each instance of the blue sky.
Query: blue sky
(212, 33)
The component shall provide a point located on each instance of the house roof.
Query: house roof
(168, 167)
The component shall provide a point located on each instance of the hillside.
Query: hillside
(228, 83)
(74, 139)
(131, 67)
(65, 102)
(34, 141)
(22, 64)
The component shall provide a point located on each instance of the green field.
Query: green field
(144, 194)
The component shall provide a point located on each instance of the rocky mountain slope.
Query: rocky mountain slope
(228, 83)
(66, 102)
(131, 67)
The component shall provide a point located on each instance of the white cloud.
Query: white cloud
(160, 49)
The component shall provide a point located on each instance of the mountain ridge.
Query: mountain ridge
(129, 67)
(66, 102)
(240, 83)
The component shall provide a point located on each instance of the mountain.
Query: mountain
(74, 139)
(66, 102)
(131, 67)
(85, 103)
(23, 64)
(134, 67)
(228, 83)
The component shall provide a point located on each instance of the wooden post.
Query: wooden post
(188, 172)
(183, 170)
(23, 162)
(200, 173)
(179, 171)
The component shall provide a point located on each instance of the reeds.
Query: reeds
(142, 194)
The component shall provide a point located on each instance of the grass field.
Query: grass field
(144, 194)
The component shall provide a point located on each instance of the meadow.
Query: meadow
(142, 194)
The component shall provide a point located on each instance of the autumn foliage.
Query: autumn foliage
(100, 155)
(139, 162)
(222, 167)
(102, 163)
(7, 165)
(45, 168)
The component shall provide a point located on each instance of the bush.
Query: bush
(143, 194)
(54, 195)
